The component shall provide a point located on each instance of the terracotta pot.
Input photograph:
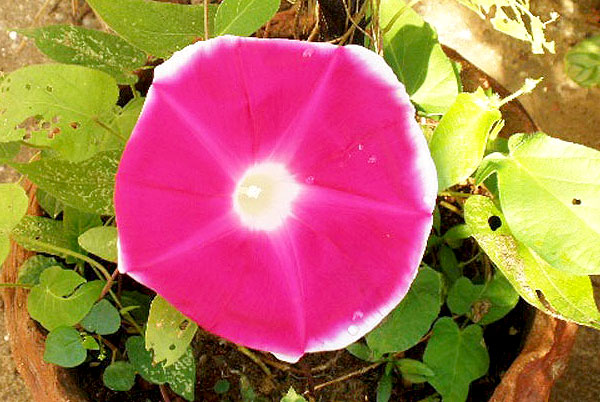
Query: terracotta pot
(529, 379)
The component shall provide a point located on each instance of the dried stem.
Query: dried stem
(348, 376)
(108, 284)
(255, 359)
(206, 27)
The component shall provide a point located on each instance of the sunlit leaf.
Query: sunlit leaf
(456, 357)
(14, 203)
(168, 332)
(411, 48)
(155, 27)
(90, 48)
(128, 116)
(62, 298)
(292, 396)
(558, 293)
(459, 141)
(43, 106)
(44, 235)
(550, 197)
(243, 17)
(8, 150)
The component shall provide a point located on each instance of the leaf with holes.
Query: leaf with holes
(411, 48)
(582, 62)
(62, 298)
(44, 236)
(101, 241)
(64, 347)
(103, 319)
(90, 48)
(456, 357)
(87, 186)
(43, 105)
(30, 271)
(243, 17)
(181, 375)
(411, 320)
(550, 196)
(459, 141)
(142, 23)
(119, 376)
(168, 332)
(14, 206)
(483, 304)
(561, 294)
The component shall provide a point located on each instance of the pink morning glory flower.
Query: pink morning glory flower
(277, 192)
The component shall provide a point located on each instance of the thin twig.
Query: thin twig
(255, 359)
(451, 207)
(315, 31)
(164, 393)
(347, 376)
(108, 284)
(206, 27)
(331, 362)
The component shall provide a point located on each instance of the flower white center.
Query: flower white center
(264, 195)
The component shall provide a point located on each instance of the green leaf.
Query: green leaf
(483, 304)
(558, 293)
(157, 28)
(64, 347)
(49, 204)
(87, 186)
(66, 116)
(44, 236)
(411, 48)
(138, 302)
(125, 121)
(449, 264)
(459, 141)
(222, 387)
(550, 196)
(90, 343)
(384, 388)
(142, 361)
(62, 298)
(90, 48)
(103, 319)
(243, 17)
(582, 62)
(181, 375)
(76, 223)
(14, 203)
(119, 376)
(168, 333)
(414, 371)
(361, 351)
(30, 271)
(8, 150)
(101, 241)
(293, 396)
(456, 357)
(411, 320)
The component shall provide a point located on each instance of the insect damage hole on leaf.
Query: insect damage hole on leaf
(576, 201)
(495, 222)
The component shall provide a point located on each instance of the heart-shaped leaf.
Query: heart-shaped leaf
(103, 319)
(62, 298)
(456, 357)
(119, 376)
(582, 62)
(64, 347)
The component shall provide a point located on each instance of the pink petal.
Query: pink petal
(344, 256)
